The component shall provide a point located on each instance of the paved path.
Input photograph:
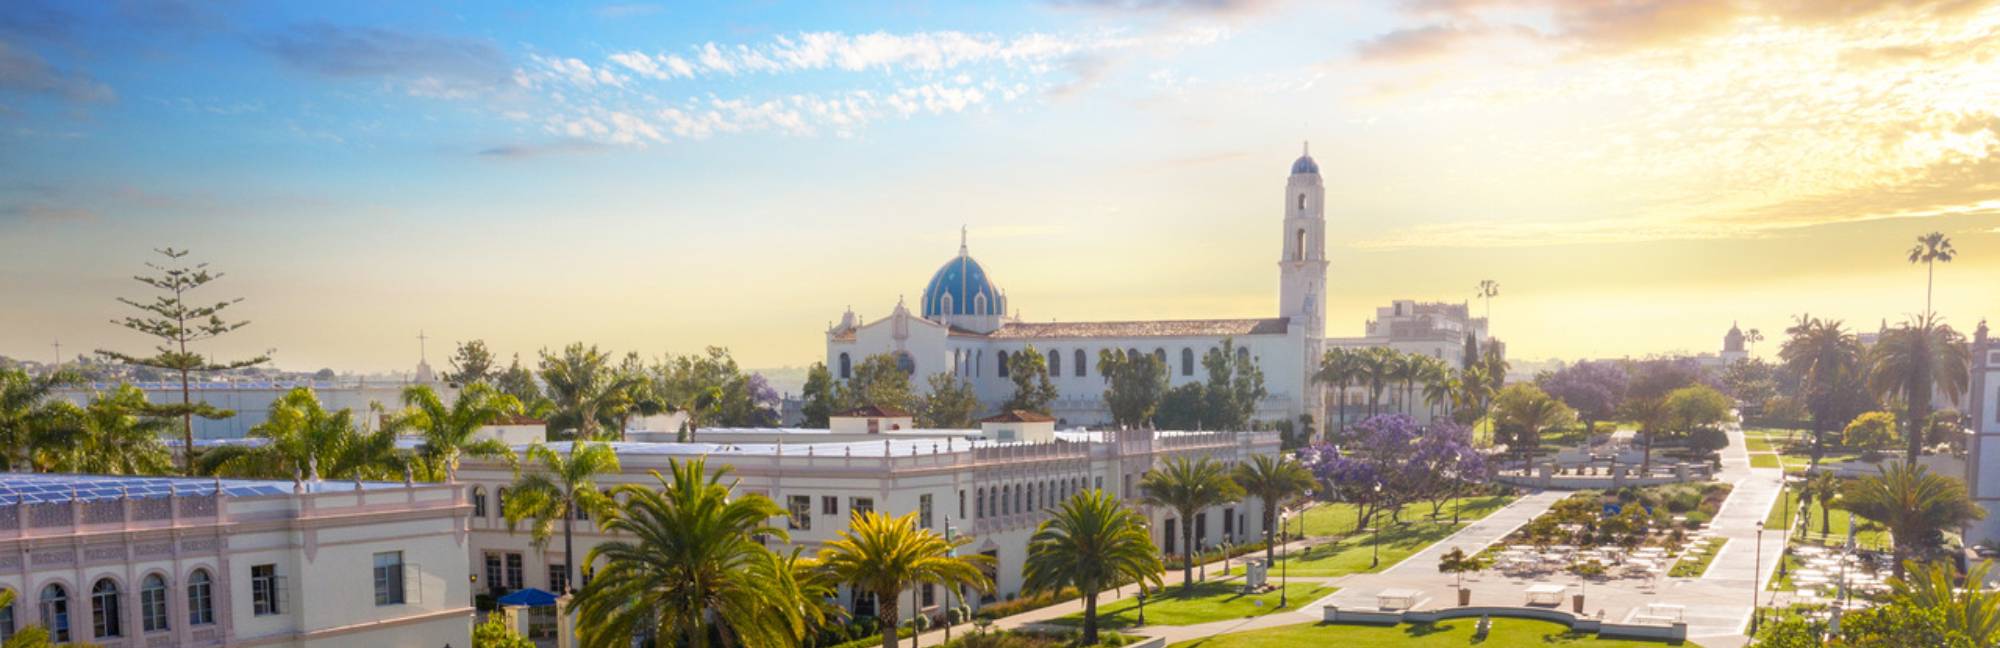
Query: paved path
(1419, 571)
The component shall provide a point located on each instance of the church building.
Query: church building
(964, 325)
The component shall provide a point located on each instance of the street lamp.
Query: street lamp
(1756, 582)
(1283, 554)
(948, 609)
(1376, 561)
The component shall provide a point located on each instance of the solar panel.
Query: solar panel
(36, 488)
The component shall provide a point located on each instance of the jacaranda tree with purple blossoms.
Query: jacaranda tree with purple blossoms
(1444, 464)
(1390, 460)
(1593, 389)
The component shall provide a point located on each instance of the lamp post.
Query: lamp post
(1283, 554)
(948, 609)
(1757, 582)
(1376, 543)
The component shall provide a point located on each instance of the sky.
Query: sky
(1636, 175)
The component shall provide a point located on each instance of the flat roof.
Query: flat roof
(37, 488)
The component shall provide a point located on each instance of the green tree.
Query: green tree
(1872, 431)
(684, 564)
(1133, 387)
(1377, 366)
(585, 390)
(472, 363)
(1272, 480)
(115, 435)
(1527, 410)
(30, 415)
(304, 440)
(519, 382)
(494, 633)
(176, 322)
(1823, 487)
(1182, 407)
(450, 433)
(1914, 360)
(880, 381)
(1340, 368)
(1235, 386)
(1696, 407)
(882, 555)
(1827, 359)
(1188, 487)
(1090, 542)
(1930, 250)
(1032, 390)
(818, 395)
(1914, 504)
(712, 390)
(950, 405)
(559, 487)
(1457, 563)
(1971, 611)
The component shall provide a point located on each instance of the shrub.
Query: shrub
(1872, 431)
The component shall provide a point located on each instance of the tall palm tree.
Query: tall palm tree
(450, 433)
(1406, 369)
(685, 565)
(1824, 487)
(1441, 390)
(557, 488)
(1434, 373)
(1476, 390)
(29, 411)
(301, 439)
(1752, 337)
(1377, 367)
(1340, 368)
(882, 555)
(113, 436)
(1272, 480)
(1826, 357)
(1188, 486)
(1912, 361)
(585, 389)
(1971, 611)
(1931, 249)
(1496, 366)
(1090, 542)
(1916, 505)
(1488, 289)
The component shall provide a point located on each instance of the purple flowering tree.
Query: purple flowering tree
(764, 401)
(1390, 460)
(1444, 461)
(1593, 389)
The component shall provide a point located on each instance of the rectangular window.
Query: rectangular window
(1171, 537)
(829, 505)
(153, 605)
(1200, 531)
(961, 505)
(7, 622)
(800, 509)
(1098, 483)
(924, 510)
(513, 571)
(930, 595)
(1228, 524)
(861, 505)
(558, 578)
(264, 590)
(493, 581)
(389, 578)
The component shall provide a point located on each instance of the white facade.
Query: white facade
(963, 326)
(993, 492)
(143, 561)
(1434, 329)
(1982, 465)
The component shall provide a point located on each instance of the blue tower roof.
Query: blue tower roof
(961, 288)
(1305, 163)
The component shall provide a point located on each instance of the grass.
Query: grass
(1355, 553)
(1781, 580)
(1335, 519)
(1763, 460)
(1212, 601)
(1757, 443)
(1695, 562)
(1783, 510)
(1505, 633)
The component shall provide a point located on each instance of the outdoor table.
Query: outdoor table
(1397, 599)
(1546, 594)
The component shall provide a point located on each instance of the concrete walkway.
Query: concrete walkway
(1419, 571)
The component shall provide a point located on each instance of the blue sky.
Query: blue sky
(660, 177)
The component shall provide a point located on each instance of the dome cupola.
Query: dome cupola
(961, 288)
(1305, 163)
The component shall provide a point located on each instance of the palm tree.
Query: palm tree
(1476, 389)
(450, 433)
(1971, 611)
(882, 555)
(1914, 504)
(562, 486)
(1377, 366)
(1913, 360)
(1340, 368)
(1930, 249)
(685, 565)
(1406, 368)
(1444, 390)
(585, 389)
(300, 439)
(1826, 357)
(1496, 366)
(113, 436)
(1090, 542)
(1824, 487)
(1188, 486)
(28, 412)
(1272, 480)
(1434, 374)
(1488, 289)
(1752, 337)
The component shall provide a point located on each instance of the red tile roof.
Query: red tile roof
(873, 411)
(1157, 328)
(1018, 416)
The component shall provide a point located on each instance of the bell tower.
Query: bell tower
(1302, 256)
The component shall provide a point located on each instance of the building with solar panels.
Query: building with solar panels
(155, 561)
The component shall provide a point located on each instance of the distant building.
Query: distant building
(1732, 346)
(1982, 462)
(1433, 329)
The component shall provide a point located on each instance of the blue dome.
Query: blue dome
(1305, 164)
(961, 288)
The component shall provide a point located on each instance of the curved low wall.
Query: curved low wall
(1675, 632)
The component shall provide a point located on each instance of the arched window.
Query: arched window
(500, 502)
(1299, 246)
(1079, 363)
(1006, 499)
(1187, 361)
(104, 615)
(1002, 357)
(906, 363)
(1160, 355)
(1242, 355)
(979, 304)
(479, 501)
(1302, 202)
(201, 598)
(1131, 354)
(153, 604)
(1055, 363)
(846, 367)
(55, 612)
(979, 504)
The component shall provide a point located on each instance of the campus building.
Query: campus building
(126, 562)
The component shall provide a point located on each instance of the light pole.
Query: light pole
(948, 609)
(1376, 543)
(1283, 554)
(1757, 581)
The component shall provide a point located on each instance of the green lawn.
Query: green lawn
(1763, 460)
(1783, 510)
(1353, 554)
(1212, 601)
(1506, 633)
(1333, 519)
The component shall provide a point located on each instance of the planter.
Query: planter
(1464, 597)
(1576, 603)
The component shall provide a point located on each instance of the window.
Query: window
(7, 620)
(846, 367)
(581, 512)
(829, 505)
(1187, 361)
(104, 616)
(1169, 536)
(800, 508)
(500, 502)
(493, 581)
(1200, 531)
(153, 604)
(979, 503)
(1078, 371)
(1055, 363)
(201, 598)
(1228, 524)
(930, 595)
(1299, 246)
(861, 505)
(1002, 357)
(1160, 355)
(558, 578)
(513, 571)
(389, 578)
(924, 510)
(478, 502)
(264, 590)
(55, 612)
(961, 505)
(1098, 483)
(1242, 355)
(1302, 202)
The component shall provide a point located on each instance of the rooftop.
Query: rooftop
(36, 488)
(1133, 329)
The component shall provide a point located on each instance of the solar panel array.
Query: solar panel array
(35, 488)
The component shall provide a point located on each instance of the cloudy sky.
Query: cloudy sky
(1635, 174)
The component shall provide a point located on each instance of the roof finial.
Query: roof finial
(1306, 148)
(961, 240)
